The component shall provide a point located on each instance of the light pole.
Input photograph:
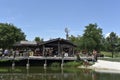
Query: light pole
(67, 31)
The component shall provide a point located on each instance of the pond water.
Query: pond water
(39, 73)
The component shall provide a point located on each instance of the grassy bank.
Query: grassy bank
(73, 64)
(109, 54)
(111, 59)
(68, 64)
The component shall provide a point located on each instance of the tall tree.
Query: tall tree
(112, 40)
(92, 37)
(9, 34)
(118, 44)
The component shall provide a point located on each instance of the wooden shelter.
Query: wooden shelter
(23, 47)
(54, 47)
(58, 47)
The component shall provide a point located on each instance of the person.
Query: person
(78, 56)
(31, 53)
(65, 54)
(17, 52)
(95, 55)
(6, 52)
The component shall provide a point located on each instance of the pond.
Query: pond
(39, 73)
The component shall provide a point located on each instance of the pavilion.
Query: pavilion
(54, 47)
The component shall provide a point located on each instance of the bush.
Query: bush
(55, 64)
(72, 64)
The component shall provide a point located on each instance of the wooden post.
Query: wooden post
(45, 64)
(58, 47)
(62, 64)
(43, 50)
(73, 51)
(13, 65)
(13, 62)
(44, 54)
(27, 65)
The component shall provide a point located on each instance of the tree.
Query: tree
(92, 37)
(76, 41)
(38, 39)
(9, 34)
(88, 44)
(118, 45)
(112, 40)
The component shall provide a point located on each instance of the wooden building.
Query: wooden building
(54, 48)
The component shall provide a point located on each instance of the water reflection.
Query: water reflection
(38, 73)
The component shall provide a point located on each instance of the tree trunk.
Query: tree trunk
(112, 54)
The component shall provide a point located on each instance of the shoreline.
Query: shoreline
(104, 66)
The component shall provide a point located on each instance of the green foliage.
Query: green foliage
(92, 37)
(88, 44)
(90, 40)
(9, 34)
(72, 64)
(76, 41)
(67, 64)
(38, 39)
(3, 60)
(55, 64)
(3, 70)
(112, 41)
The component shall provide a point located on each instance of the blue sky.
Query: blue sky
(48, 18)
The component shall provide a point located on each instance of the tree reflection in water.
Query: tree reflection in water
(37, 73)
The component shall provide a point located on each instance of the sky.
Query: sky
(47, 19)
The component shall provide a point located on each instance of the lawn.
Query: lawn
(109, 54)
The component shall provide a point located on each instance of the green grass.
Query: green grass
(3, 70)
(109, 54)
(110, 59)
(106, 54)
(4, 60)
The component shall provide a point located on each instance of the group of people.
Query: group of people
(94, 55)
(10, 52)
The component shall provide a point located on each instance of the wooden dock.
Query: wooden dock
(37, 60)
(43, 58)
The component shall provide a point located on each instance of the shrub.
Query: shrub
(72, 64)
(55, 64)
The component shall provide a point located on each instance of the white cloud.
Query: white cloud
(106, 35)
(119, 36)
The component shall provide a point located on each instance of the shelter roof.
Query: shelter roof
(55, 42)
(49, 43)
(26, 43)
